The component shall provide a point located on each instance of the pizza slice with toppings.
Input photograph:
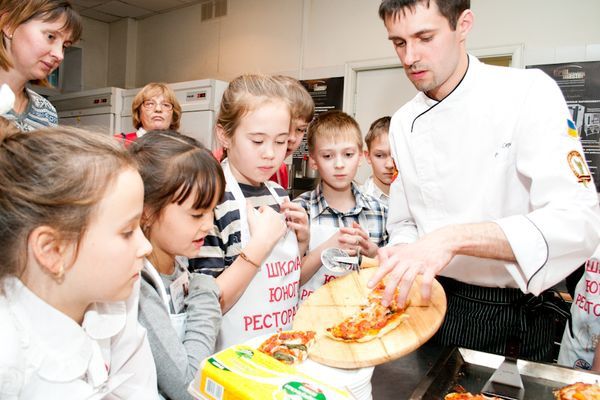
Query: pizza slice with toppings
(468, 396)
(289, 347)
(578, 391)
(371, 321)
(376, 296)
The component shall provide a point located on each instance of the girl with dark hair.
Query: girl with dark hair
(180, 310)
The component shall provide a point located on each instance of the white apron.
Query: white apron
(178, 320)
(578, 346)
(271, 299)
(318, 235)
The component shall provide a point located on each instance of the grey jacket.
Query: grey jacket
(177, 362)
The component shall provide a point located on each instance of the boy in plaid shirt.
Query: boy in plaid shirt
(378, 154)
(339, 214)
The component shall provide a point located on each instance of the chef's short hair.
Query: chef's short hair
(333, 125)
(450, 9)
(155, 89)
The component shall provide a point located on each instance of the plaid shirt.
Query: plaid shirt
(366, 206)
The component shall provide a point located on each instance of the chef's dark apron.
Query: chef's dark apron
(483, 318)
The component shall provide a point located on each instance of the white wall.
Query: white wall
(551, 31)
(122, 47)
(94, 42)
(256, 36)
(315, 38)
(341, 31)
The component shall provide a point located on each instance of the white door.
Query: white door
(379, 92)
(100, 122)
(199, 125)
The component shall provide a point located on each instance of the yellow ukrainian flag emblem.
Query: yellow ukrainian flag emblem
(572, 129)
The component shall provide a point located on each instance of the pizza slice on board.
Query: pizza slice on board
(289, 347)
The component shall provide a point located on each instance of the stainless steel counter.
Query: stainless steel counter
(398, 379)
(470, 369)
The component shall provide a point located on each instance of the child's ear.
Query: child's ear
(49, 250)
(146, 221)
(366, 156)
(222, 137)
(311, 162)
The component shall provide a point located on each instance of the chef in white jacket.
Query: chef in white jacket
(493, 194)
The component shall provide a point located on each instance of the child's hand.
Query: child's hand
(296, 219)
(266, 225)
(357, 237)
(343, 241)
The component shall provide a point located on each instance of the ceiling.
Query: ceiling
(114, 10)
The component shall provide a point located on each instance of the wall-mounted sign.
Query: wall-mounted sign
(328, 94)
(580, 84)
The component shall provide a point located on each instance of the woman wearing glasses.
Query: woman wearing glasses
(155, 107)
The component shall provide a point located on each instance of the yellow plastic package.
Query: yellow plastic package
(241, 372)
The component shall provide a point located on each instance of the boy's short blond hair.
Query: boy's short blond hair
(378, 127)
(333, 125)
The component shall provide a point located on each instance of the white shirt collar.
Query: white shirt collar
(66, 350)
(370, 187)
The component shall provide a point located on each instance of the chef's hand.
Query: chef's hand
(266, 226)
(359, 238)
(402, 263)
(297, 220)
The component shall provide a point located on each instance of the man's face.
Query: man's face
(432, 54)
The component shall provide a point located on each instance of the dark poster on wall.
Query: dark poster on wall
(580, 84)
(328, 94)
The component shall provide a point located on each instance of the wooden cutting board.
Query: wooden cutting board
(338, 299)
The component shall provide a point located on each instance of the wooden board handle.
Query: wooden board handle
(368, 262)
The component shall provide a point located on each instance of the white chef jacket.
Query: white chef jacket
(44, 354)
(495, 149)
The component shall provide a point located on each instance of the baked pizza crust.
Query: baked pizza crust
(373, 311)
(391, 324)
(578, 391)
(468, 396)
(289, 347)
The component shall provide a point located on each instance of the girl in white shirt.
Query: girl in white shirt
(72, 250)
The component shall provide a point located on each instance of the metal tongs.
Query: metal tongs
(338, 260)
(506, 382)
